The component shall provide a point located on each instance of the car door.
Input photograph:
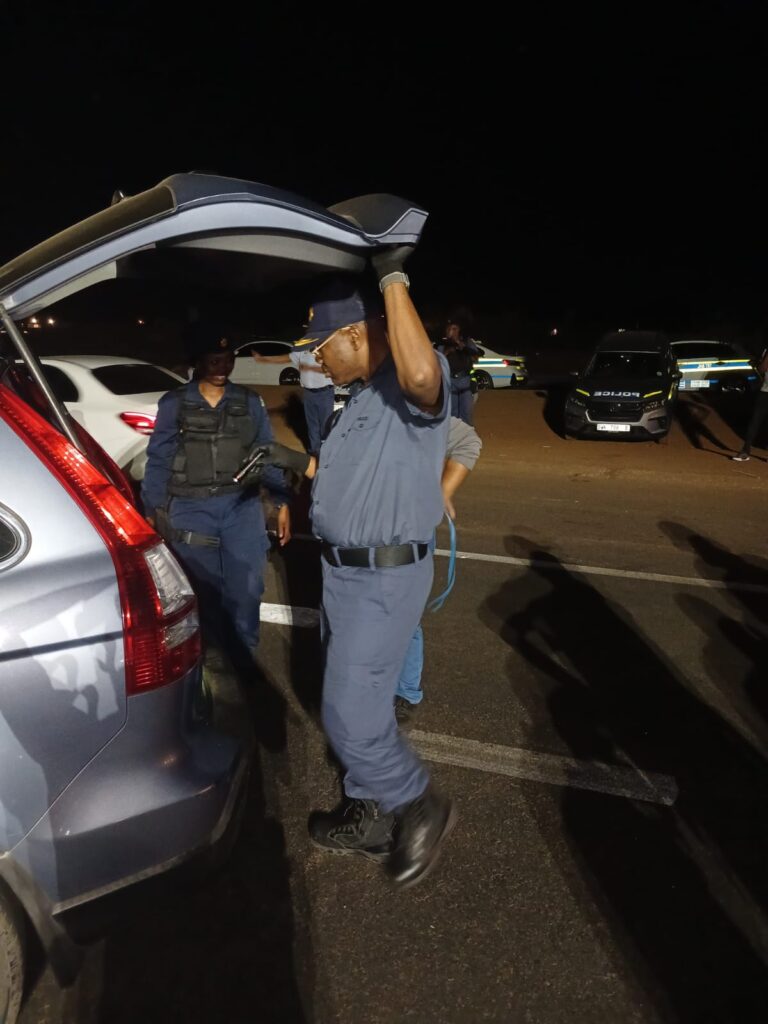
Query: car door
(220, 231)
(197, 229)
(62, 684)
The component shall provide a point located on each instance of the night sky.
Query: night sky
(597, 167)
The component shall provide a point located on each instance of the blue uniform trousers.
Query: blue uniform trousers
(369, 618)
(228, 579)
(462, 406)
(318, 409)
(409, 685)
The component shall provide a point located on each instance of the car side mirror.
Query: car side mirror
(677, 376)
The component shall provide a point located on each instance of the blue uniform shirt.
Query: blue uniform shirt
(165, 440)
(378, 480)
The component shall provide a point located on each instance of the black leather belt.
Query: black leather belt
(194, 539)
(382, 558)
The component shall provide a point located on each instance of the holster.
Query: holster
(170, 533)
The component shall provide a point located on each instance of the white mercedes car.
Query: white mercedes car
(253, 374)
(115, 398)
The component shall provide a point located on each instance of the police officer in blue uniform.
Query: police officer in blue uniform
(203, 433)
(376, 501)
(461, 352)
(318, 393)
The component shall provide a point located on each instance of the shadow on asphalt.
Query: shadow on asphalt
(735, 410)
(299, 581)
(212, 940)
(739, 637)
(660, 877)
(693, 414)
(553, 409)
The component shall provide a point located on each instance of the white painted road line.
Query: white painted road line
(597, 570)
(616, 780)
(285, 615)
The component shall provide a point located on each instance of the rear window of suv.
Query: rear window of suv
(133, 379)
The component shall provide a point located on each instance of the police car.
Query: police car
(492, 370)
(713, 366)
(627, 389)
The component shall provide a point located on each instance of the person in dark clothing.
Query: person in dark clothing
(203, 433)
(759, 412)
(461, 353)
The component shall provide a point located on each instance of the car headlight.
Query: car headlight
(650, 406)
(576, 400)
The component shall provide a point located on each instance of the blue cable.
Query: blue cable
(437, 603)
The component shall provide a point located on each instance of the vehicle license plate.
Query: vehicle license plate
(614, 428)
(697, 383)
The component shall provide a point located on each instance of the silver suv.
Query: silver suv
(109, 769)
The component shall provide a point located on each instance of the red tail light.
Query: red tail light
(139, 421)
(105, 463)
(160, 625)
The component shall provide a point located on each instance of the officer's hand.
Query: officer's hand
(151, 521)
(283, 525)
(286, 458)
(449, 507)
(391, 260)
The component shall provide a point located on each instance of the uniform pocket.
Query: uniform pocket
(367, 422)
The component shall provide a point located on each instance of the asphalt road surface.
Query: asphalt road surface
(596, 704)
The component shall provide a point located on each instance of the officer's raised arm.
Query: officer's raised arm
(418, 370)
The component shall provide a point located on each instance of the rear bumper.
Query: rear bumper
(152, 798)
(727, 384)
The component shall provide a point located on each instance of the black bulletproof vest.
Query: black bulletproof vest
(212, 445)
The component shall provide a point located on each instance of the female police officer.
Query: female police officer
(204, 431)
(376, 501)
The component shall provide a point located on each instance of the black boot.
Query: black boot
(422, 827)
(356, 826)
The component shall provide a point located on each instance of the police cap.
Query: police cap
(202, 339)
(339, 301)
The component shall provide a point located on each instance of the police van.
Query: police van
(627, 389)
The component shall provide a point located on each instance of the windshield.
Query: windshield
(134, 379)
(627, 365)
(695, 350)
